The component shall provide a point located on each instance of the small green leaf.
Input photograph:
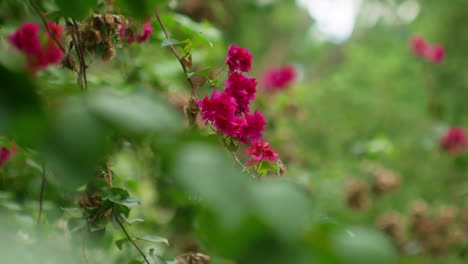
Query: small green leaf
(129, 202)
(73, 212)
(203, 72)
(170, 42)
(119, 243)
(266, 166)
(76, 9)
(135, 261)
(159, 260)
(154, 239)
(131, 221)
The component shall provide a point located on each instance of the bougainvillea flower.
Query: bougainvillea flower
(242, 89)
(38, 55)
(279, 78)
(252, 128)
(454, 140)
(419, 46)
(260, 150)
(219, 106)
(5, 153)
(238, 59)
(127, 34)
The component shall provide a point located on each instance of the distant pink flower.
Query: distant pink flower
(454, 141)
(38, 55)
(238, 59)
(242, 89)
(260, 150)
(5, 153)
(126, 33)
(436, 54)
(421, 48)
(279, 78)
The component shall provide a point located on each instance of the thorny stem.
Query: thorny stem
(192, 109)
(41, 193)
(38, 11)
(130, 238)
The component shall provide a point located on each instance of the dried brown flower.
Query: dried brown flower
(357, 197)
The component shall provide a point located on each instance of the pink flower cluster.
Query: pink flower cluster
(127, 35)
(421, 48)
(279, 78)
(229, 111)
(454, 141)
(5, 153)
(38, 55)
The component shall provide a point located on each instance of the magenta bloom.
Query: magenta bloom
(421, 48)
(219, 106)
(238, 59)
(5, 153)
(126, 34)
(38, 55)
(436, 54)
(279, 78)
(252, 127)
(242, 89)
(26, 39)
(454, 141)
(259, 151)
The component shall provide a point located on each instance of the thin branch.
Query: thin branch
(80, 50)
(130, 238)
(192, 108)
(41, 193)
(38, 11)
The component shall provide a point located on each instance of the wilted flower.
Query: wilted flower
(357, 196)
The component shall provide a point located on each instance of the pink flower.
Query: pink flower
(38, 55)
(26, 39)
(279, 78)
(5, 153)
(454, 141)
(219, 106)
(126, 33)
(242, 89)
(238, 59)
(421, 48)
(252, 128)
(260, 150)
(436, 54)
(145, 35)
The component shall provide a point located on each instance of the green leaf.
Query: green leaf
(266, 166)
(154, 239)
(170, 42)
(119, 243)
(159, 260)
(135, 261)
(73, 212)
(131, 221)
(129, 202)
(139, 8)
(138, 113)
(203, 72)
(76, 9)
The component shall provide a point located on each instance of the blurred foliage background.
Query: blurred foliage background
(359, 131)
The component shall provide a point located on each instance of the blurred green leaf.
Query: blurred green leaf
(154, 239)
(76, 9)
